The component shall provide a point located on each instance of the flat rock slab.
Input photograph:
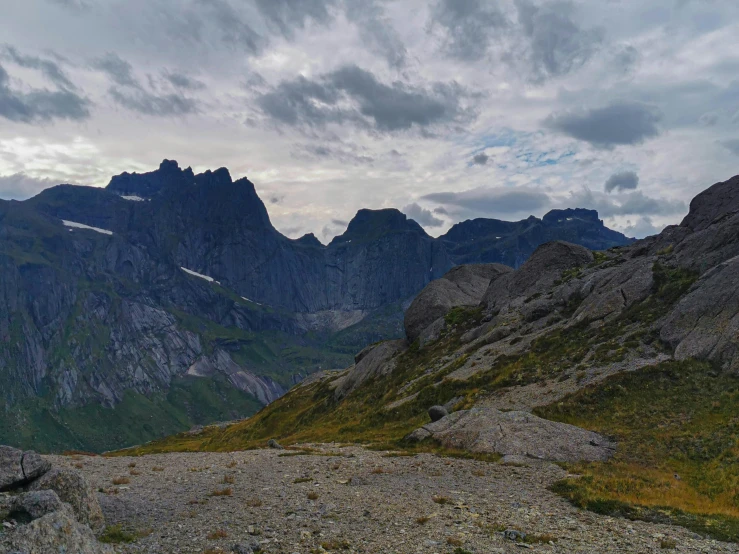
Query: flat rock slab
(18, 468)
(517, 433)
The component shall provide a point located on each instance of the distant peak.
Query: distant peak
(309, 239)
(169, 165)
(370, 224)
(571, 214)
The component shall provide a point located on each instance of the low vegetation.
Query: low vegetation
(677, 427)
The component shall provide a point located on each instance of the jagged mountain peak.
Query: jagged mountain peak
(572, 214)
(146, 185)
(713, 204)
(370, 224)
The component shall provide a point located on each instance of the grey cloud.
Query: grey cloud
(377, 31)
(732, 145)
(468, 26)
(151, 104)
(118, 69)
(557, 44)
(441, 211)
(20, 186)
(50, 69)
(72, 4)
(286, 15)
(480, 159)
(40, 105)
(234, 30)
(616, 124)
(276, 198)
(339, 222)
(633, 203)
(642, 227)
(624, 180)
(182, 81)
(492, 201)
(422, 215)
(131, 94)
(351, 94)
(342, 155)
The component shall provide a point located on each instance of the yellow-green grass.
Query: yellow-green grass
(677, 459)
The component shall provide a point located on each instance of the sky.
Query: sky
(446, 109)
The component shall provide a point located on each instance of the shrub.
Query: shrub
(121, 480)
(441, 500)
(217, 534)
(312, 495)
(423, 519)
(115, 534)
(228, 480)
(222, 492)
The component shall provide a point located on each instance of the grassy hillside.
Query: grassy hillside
(136, 420)
(677, 427)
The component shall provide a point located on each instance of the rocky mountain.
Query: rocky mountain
(169, 299)
(621, 364)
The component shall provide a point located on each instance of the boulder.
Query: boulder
(18, 468)
(463, 285)
(713, 204)
(538, 275)
(32, 505)
(437, 412)
(72, 487)
(56, 532)
(487, 430)
(377, 362)
(272, 443)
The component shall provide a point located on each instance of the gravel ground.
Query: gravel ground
(354, 500)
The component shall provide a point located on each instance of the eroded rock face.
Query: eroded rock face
(18, 468)
(376, 362)
(487, 430)
(72, 487)
(713, 204)
(56, 532)
(705, 323)
(461, 286)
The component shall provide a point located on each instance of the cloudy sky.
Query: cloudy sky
(446, 109)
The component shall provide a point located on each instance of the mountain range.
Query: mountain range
(168, 299)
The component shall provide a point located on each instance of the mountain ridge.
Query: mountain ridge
(117, 297)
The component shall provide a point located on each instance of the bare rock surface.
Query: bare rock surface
(517, 433)
(33, 505)
(705, 323)
(72, 487)
(361, 501)
(56, 532)
(18, 468)
(374, 362)
(461, 286)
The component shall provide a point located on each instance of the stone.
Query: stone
(246, 548)
(514, 535)
(72, 487)
(487, 430)
(378, 362)
(461, 286)
(57, 532)
(32, 505)
(18, 468)
(437, 412)
(272, 443)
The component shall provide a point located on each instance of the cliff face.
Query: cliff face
(168, 277)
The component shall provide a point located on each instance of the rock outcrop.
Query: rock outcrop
(56, 512)
(375, 362)
(461, 286)
(18, 468)
(487, 430)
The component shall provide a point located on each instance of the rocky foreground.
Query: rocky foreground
(348, 499)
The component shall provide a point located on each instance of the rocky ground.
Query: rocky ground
(353, 500)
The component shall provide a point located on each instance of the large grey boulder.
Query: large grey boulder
(538, 275)
(463, 285)
(74, 489)
(487, 430)
(705, 323)
(18, 468)
(376, 362)
(57, 532)
(713, 204)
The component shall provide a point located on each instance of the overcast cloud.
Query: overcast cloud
(446, 109)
